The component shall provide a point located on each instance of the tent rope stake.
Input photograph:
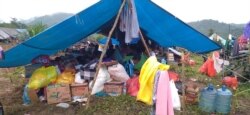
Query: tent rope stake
(104, 52)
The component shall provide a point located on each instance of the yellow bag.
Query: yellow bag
(65, 78)
(146, 79)
(42, 77)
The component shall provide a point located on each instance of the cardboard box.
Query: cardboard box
(79, 89)
(33, 96)
(114, 88)
(58, 93)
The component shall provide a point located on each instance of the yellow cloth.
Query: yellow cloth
(66, 77)
(42, 76)
(146, 79)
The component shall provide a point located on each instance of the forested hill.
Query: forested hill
(223, 29)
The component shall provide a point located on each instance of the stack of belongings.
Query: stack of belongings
(191, 93)
(88, 70)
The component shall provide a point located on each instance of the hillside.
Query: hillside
(203, 26)
(49, 20)
(222, 29)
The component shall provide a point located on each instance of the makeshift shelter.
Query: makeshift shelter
(10, 31)
(218, 38)
(156, 24)
(3, 35)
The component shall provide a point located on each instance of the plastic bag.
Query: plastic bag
(211, 70)
(230, 81)
(133, 86)
(42, 77)
(78, 78)
(175, 97)
(65, 78)
(102, 77)
(208, 68)
(118, 73)
(26, 98)
(173, 76)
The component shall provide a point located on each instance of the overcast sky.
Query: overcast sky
(229, 11)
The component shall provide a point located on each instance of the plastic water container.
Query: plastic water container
(223, 100)
(207, 99)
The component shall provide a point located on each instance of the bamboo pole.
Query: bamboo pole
(144, 43)
(183, 85)
(104, 52)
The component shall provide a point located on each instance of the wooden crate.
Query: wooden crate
(114, 88)
(58, 93)
(79, 89)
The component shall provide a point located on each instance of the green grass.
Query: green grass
(120, 105)
(127, 105)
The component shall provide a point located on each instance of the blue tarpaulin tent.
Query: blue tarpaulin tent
(155, 23)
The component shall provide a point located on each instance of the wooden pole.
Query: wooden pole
(183, 85)
(144, 43)
(104, 52)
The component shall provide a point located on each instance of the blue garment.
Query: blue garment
(129, 67)
(26, 98)
(114, 41)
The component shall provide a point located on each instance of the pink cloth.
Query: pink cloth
(164, 105)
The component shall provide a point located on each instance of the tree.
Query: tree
(36, 29)
(210, 32)
(14, 23)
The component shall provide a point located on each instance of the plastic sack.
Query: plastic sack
(65, 78)
(102, 77)
(175, 97)
(42, 77)
(133, 86)
(78, 78)
(118, 73)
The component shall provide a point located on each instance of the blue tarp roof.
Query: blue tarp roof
(156, 24)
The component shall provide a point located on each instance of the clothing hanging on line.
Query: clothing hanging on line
(129, 22)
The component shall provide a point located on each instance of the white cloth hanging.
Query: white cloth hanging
(219, 63)
(129, 22)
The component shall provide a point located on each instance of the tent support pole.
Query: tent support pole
(183, 85)
(104, 52)
(144, 43)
